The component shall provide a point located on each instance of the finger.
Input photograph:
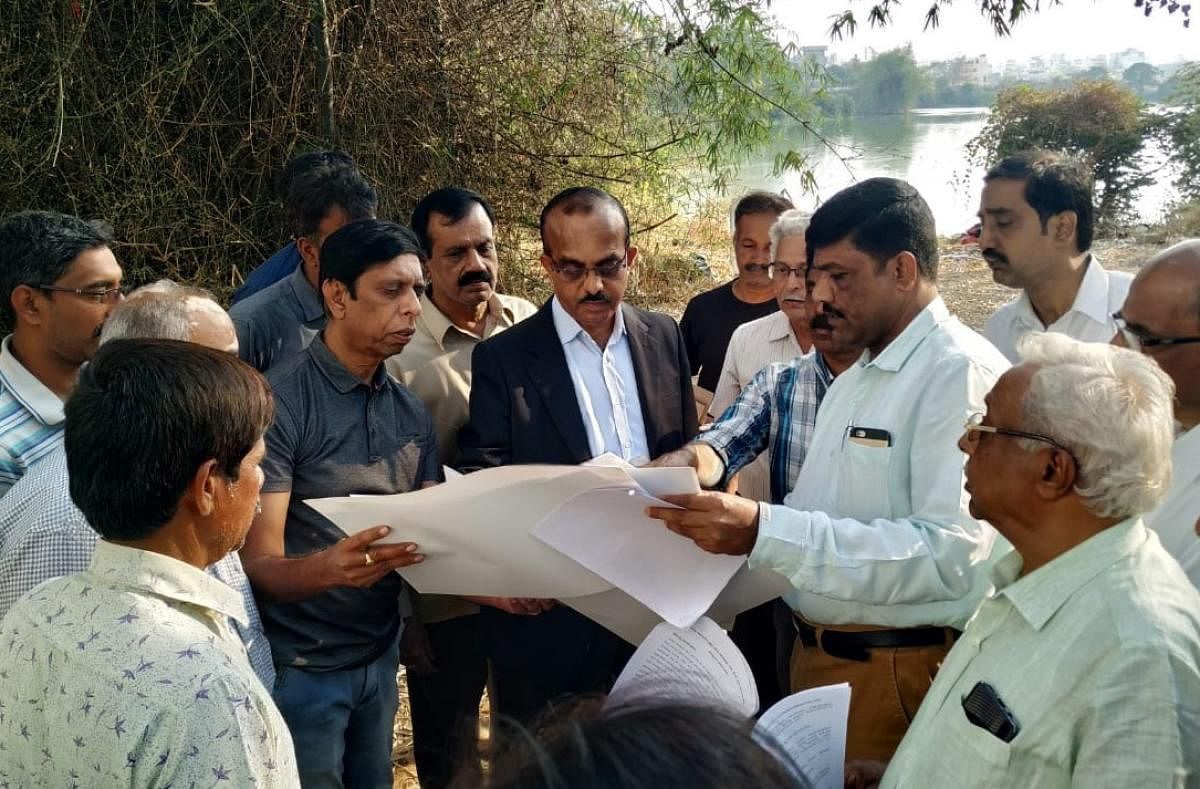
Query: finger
(406, 560)
(385, 553)
(689, 501)
(360, 541)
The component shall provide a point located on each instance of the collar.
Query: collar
(310, 301)
(1039, 595)
(824, 375)
(1091, 299)
(893, 357)
(28, 390)
(434, 322)
(568, 328)
(779, 328)
(161, 576)
(336, 373)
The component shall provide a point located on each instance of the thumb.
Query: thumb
(366, 537)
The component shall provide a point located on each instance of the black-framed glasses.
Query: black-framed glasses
(94, 295)
(975, 425)
(784, 270)
(608, 269)
(1138, 340)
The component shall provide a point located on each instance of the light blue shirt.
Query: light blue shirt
(606, 387)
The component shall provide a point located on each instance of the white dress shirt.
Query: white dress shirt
(606, 388)
(754, 345)
(874, 535)
(1100, 294)
(1178, 514)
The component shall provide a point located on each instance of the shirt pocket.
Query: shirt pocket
(864, 490)
(985, 754)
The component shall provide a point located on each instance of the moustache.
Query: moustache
(600, 297)
(821, 319)
(992, 256)
(472, 277)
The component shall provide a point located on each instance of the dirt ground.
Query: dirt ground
(968, 290)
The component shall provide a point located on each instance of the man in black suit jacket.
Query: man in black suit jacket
(560, 387)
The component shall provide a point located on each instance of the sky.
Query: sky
(1077, 28)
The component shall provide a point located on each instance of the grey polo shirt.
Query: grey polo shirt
(334, 435)
(278, 322)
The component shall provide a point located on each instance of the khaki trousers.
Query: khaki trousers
(885, 691)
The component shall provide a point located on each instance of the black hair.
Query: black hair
(761, 203)
(881, 217)
(303, 163)
(583, 200)
(641, 746)
(1054, 183)
(143, 418)
(37, 248)
(321, 182)
(362, 245)
(452, 202)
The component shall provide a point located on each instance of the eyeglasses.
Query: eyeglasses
(94, 295)
(783, 270)
(1138, 341)
(975, 425)
(608, 269)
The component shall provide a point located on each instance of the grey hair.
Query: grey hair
(790, 223)
(1113, 409)
(158, 311)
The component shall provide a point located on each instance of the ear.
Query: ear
(1058, 474)
(1064, 225)
(547, 263)
(308, 250)
(26, 304)
(202, 491)
(336, 295)
(907, 271)
(632, 252)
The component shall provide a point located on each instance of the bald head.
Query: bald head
(167, 311)
(1177, 268)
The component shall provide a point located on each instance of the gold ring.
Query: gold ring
(367, 560)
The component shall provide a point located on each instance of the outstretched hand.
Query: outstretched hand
(358, 561)
(717, 522)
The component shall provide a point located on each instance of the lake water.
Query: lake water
(925, 148)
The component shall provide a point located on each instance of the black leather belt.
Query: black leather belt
(857, 645)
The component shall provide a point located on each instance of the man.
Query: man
(287, 258)
(128, 674)
(1037, 220)
(44, 535)
(279, 321)
(1161, 318)
(585, 375)
(59, 280)
(332, 606)
(874, 535)
(1083, 667)
(460, 309)
(710, 318)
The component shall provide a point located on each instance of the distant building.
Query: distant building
(817, 54)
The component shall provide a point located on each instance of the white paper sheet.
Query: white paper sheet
(699, 664)
(475, 530)
(810, 727)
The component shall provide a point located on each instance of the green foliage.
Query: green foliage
(886, 84)
(1183, 128)
(1102, 123)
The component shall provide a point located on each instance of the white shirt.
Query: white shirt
(1097, 656)
(606, 387)
(754, 345)
(1100, 294)
(1177, 515)
(881, 535)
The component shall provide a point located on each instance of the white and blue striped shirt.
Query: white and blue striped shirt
(31, 419)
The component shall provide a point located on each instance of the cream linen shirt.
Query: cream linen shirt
(1101, 293)
(882, 536)
(129, 675)
(753, 346)
(1096, 655)
(1178, 514)
(436, 367)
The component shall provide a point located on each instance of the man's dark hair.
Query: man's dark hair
(303, 163)
(642, 746)
(1053, 183)
(325, 180)
(881, 217)
(143, 418)
(37, 248)
(761, 202)
(580, 200)
(362, 245)
(452, 202)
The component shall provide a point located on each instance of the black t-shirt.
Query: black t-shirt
(708, 323)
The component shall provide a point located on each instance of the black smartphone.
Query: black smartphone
(985, 709)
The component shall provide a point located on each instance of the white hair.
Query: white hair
(161, 310)
(1113, 409)
(790, 223)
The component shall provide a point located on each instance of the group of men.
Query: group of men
(1026, 605)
